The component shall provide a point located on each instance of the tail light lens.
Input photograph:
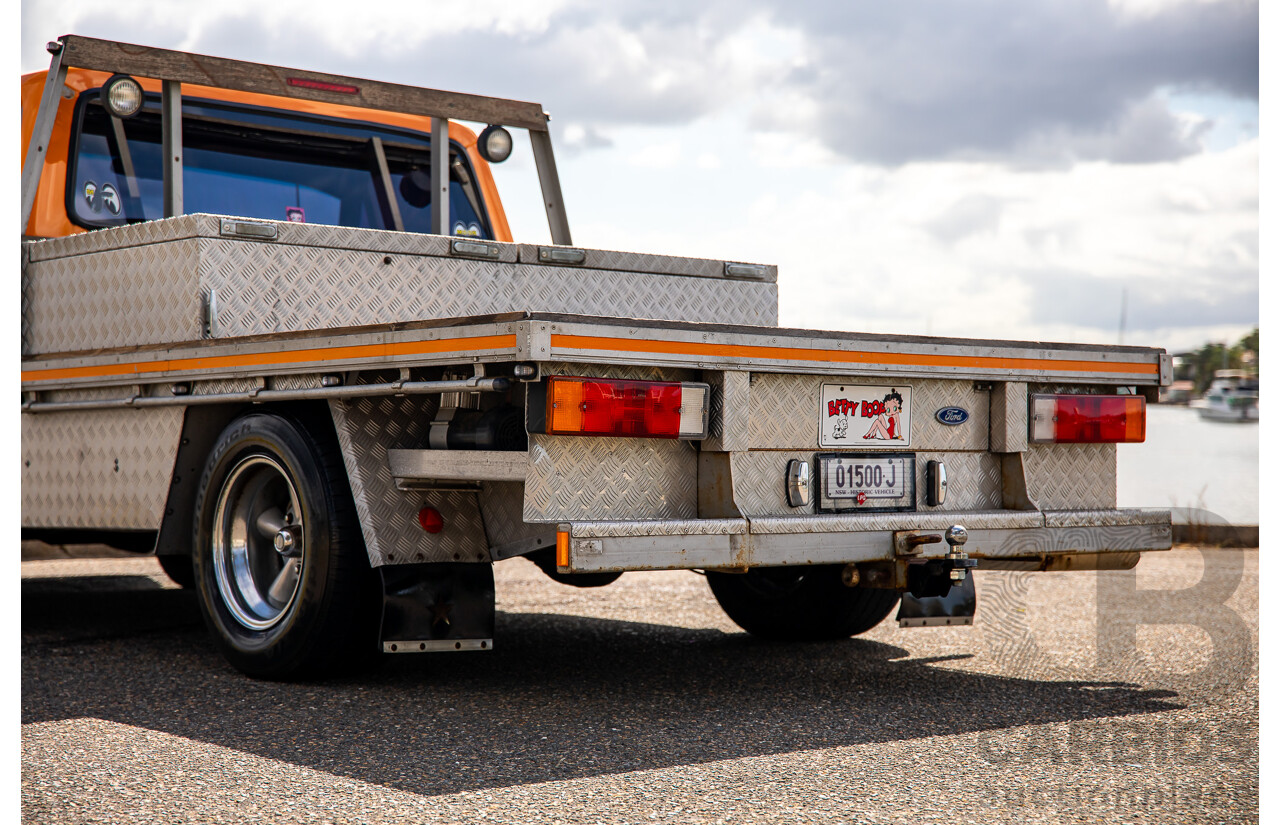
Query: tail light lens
(640, 409)
(1088, 419)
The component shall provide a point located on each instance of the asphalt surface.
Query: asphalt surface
(641, 702)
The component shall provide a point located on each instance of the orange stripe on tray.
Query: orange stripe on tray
(599, 344)
(263, 359)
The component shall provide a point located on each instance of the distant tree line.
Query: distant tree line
(1199, 366)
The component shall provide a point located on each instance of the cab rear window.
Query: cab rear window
(258, 163)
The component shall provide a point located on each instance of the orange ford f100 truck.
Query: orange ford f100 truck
(276, 334)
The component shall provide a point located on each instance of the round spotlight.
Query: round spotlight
(495, 144)
(122, 95)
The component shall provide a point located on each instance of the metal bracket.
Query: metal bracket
(171, 145)
(440, 176)
(210, 313)
(545, 160)
(33, 163)
(912, 542)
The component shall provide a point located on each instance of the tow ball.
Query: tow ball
(940, 591)
(961, 564)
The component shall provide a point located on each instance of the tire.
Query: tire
(179, 570)
(275, 616)
(799, 603)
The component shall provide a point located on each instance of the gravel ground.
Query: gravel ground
(641, 702)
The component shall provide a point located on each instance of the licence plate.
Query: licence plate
(876, 481)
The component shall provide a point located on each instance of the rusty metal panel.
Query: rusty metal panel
(1075, 476)
(572, 478)
(785, 411)
(367, 428)
(106, 469)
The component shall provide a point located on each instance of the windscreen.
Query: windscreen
(260, 163)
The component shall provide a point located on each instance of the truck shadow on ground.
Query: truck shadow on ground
(560, 697)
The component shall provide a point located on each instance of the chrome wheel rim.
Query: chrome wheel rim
(257, 583)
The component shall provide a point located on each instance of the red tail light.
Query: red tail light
(1088, 419)
(644, 409)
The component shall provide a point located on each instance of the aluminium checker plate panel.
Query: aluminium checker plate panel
(263, 288)
(367, 428)
(1071, 476)
(107, 469)
(785, 411)
(758, 489)
(149, 284)
(574, 479)
(577, 479)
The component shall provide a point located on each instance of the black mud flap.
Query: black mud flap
(437, 607)
(955, 608)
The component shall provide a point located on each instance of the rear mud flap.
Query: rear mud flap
(437, 607)
(955, 608)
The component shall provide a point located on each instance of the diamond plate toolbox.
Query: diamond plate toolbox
(180, 279)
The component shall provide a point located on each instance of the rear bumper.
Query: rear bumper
(1006, 539)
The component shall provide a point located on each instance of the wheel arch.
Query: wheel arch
(201, 427)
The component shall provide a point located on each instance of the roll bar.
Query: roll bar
(175, 68)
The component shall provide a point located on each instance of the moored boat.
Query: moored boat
(1233, 396)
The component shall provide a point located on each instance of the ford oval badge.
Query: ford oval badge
(951, 416)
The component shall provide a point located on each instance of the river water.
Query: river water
(1189, 462)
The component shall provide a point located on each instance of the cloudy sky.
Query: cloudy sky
(992, 168)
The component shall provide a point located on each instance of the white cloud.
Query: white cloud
(946, 173)
(665, 155)
(1053, 81)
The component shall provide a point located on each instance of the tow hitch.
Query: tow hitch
(940, 592)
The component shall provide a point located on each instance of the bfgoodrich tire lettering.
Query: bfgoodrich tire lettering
(278, 605)
(809, 602)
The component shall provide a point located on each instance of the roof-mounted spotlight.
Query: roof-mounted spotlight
(122, 95)
(495, 144)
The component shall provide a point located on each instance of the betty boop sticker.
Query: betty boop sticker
(864, 416)
(887, 426)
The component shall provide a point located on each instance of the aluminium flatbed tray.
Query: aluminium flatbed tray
(551, 337)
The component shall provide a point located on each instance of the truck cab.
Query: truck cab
(251, 155)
